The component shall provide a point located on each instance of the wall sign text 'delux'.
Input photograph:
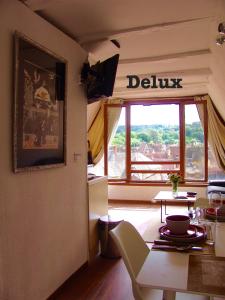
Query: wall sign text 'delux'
(153, 82)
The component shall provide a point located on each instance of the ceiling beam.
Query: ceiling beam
(42, 4)
(156, 59)
(137, 30)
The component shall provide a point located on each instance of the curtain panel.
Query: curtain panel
(216, 131)
(96, 131)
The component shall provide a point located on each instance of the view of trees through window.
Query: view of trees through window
(155, 137)
(159, 134)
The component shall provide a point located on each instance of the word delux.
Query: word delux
(163, 83)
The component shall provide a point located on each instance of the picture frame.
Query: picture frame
(39, 122)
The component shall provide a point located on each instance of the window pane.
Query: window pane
(194, 138)
(98, 169)
(214, 172)
(117, 149)
(149, 177)
(155, 132)
(174, 167)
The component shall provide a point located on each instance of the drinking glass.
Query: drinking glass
(191, 214)
(196, 215)
(200, 216)
(210, 230)
(215, 202)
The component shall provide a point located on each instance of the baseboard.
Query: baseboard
(145, 202)
(58, 291)
(126, 201)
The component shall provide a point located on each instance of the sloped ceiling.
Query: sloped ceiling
(173, 38)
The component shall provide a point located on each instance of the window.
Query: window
(194, 144)
(154, 141)
(154, 138)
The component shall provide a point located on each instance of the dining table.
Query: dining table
(187, 272)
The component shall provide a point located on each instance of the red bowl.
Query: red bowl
(178, 224)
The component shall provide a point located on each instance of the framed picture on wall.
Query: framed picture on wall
(39, 137)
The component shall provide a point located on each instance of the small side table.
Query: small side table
(108, 247)
(164, 196)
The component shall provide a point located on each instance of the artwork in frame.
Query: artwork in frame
(39, 107)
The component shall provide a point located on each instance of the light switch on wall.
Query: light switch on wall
(76, 156)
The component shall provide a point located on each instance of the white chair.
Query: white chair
(134, 250)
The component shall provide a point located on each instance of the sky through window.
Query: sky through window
(160, 114)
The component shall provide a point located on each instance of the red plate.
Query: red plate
(190, 232)
(211, 214)
(199, 235)
(210, 211)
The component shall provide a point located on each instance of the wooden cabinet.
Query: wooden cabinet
(98, 206)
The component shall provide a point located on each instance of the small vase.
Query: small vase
(174, 188)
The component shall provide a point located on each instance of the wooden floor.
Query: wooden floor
(106, 279)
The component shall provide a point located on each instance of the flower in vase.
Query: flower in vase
(174, 178)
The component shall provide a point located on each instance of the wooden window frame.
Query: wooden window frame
(181, 102)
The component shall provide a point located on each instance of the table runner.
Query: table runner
(206, 274)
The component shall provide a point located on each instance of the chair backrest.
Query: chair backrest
(132, 247)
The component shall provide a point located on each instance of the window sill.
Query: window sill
(188, 184)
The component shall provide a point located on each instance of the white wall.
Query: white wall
(217, 64)
(43, 214)
(145, 193)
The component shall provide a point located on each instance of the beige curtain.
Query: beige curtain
(216, 131)
(96, 131)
